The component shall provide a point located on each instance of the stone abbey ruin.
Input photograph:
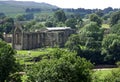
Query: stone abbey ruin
(49, 37)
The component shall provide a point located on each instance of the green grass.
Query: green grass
(30, 53)
(34, 53)
(24, 56)
(101, 74)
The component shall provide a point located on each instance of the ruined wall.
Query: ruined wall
(32, 40)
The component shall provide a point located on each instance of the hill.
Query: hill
(12, 8)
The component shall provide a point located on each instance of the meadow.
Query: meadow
(29, 56)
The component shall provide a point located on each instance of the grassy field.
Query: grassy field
(27, 56)
(100, 74)
(30, 53)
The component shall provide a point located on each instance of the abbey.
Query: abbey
(49, 37)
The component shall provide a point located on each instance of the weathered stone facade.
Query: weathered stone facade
(50, 37)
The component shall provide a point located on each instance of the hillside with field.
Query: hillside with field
(12, 8)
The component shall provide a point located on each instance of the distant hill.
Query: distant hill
(12, 8)
(18, 7)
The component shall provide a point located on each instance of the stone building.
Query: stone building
(49, 37)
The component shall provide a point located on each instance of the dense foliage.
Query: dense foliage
(60, 16)
(96, 18)
(115, 29)
(87, 43)
(71, 23)
(111, 48)
(115, 18)
(6, 24)
(7, 61)
(61, 66)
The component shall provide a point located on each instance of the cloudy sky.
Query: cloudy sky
(89, 4)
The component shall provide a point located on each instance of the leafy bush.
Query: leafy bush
(62, 66)
(8, 65)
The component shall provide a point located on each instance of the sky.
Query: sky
(88, 4)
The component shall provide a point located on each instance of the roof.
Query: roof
(58, 28)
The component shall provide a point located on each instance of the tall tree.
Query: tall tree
(7, 25)
(111, 48)
(71, 23)
(115, 18)
(7, 61)
(73, 42)
(115, 29)
(87, 43)
(92, 35)
(96, 18)
(60, 16)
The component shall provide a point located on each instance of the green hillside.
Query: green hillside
(12, 8)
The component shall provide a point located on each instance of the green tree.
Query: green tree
(79, 21)
(7, 25)
(71, 23)
(96, 18)
(49, 24)
(115, 18)
(25, 17)
(29, 25)
(60, 24)
(111, 48)
(20, 18)
(73, 42)
(7, 61)
(99, 13)
(91, 35)
(62, 66)
(115, 29)
(60, 16)
(87, 43)
(2, 15)
(36, 27)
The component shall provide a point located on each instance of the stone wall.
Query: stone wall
(48, 38)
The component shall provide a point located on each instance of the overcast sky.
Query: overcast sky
(88, 4)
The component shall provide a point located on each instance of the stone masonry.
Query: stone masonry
(49, 37)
